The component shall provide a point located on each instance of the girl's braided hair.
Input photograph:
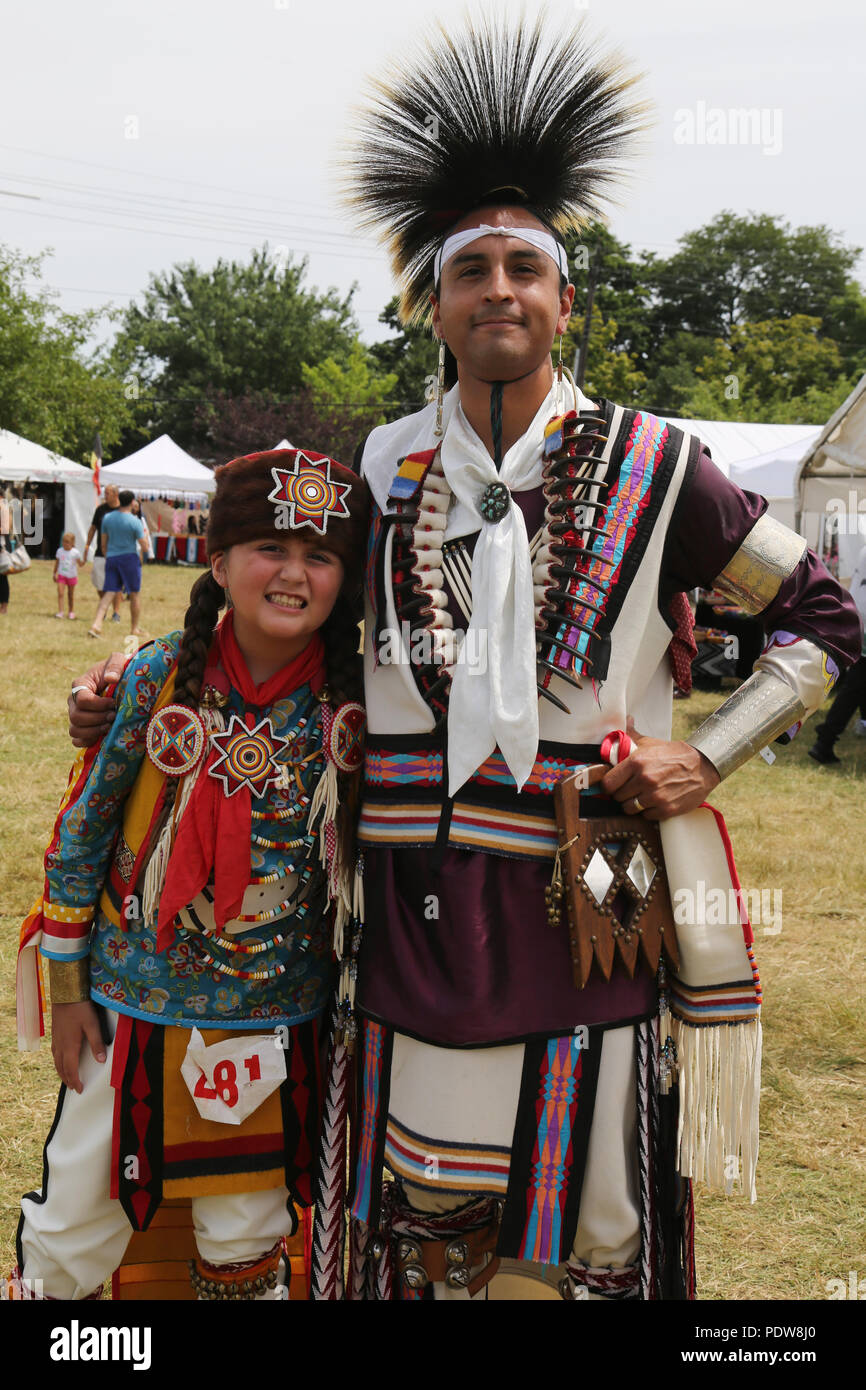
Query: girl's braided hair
(206, 599)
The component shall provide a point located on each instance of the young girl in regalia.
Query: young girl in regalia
(197, 883)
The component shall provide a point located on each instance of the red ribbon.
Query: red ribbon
(607, 743)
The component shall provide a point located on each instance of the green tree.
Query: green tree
(672, 372)
(741, 269)
(411, 354)
(610, 373)
(237, 328)
(777, 369)
(351, 392)
(622, 296)
(53, 388)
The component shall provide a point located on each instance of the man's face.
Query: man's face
(499, 305)
(112, 497)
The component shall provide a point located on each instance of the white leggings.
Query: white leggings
(73, 1235)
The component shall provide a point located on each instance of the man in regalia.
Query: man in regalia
(529, 1075)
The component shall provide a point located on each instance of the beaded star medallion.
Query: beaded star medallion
(248, 757)
(308, 493)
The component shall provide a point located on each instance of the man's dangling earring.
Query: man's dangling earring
(560, 405)
(440, 389)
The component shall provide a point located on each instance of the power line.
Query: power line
(163, 210)
(135, 173)
(160, 199)
(130, 294)
(188, 236)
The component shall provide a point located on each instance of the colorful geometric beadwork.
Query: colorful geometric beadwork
(175, 740)
(309, 493)
(248, 757)
(347, 737)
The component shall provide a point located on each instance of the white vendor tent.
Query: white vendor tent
(23, 461)
(774, 476)
(831, 483)
(160, 467)
(734, 441)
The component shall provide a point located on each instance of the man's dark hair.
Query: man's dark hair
(126, 497)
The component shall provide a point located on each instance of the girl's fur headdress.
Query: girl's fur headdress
(292, 490)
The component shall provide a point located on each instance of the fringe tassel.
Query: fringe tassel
(324, 808)
(157, 865)
(720, 1088)
(325, 797)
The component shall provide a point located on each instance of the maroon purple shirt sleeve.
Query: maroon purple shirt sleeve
(711, 520)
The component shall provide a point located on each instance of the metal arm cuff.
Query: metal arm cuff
(69, 981)
(763, 707)
(755, 574)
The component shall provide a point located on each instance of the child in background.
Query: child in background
(200, 866)
(67, 562)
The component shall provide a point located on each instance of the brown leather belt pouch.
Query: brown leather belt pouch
(611, 874)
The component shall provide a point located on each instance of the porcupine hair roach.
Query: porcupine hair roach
(497, 114)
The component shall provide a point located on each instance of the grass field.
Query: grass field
(797, 828)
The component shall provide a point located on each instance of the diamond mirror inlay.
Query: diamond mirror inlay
(598, 876)
(641, 870)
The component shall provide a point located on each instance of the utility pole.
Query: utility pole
(580, 355)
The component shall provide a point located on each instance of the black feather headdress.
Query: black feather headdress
(498, 113)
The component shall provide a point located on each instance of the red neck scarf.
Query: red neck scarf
(213, 819)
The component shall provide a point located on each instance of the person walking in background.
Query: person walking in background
(851, 692)
(46, 501)
(123, 536)
(104, 509)
(5, 546)
(66, 564)
(148, 543)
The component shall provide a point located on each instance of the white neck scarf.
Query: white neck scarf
(494, 699)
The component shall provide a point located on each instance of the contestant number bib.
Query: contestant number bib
(229, 1080)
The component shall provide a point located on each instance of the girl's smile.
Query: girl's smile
(282, 590)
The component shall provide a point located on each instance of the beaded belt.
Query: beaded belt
(404, 793)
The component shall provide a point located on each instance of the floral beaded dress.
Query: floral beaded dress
(270, 965)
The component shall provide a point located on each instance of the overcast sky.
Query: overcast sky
(147, 132)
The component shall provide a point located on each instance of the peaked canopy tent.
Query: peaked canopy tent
(163, 471)
(831, 484)
(161, 466)
(22, 461)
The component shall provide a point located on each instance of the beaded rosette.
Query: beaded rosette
(175, 740)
